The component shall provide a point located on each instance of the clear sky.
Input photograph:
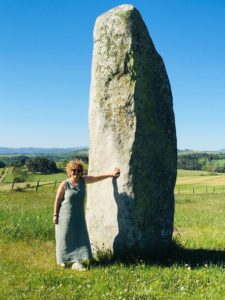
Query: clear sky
(45, 68)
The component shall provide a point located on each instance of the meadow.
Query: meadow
(193, 268)
(199, 182)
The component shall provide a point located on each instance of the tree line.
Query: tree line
(47, 165)
(201, 161)
(38, 164)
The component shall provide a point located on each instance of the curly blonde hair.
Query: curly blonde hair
(73, 164)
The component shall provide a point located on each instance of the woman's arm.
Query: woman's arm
(92, 179)
(59, 195)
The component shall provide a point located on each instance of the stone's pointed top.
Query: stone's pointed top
(121, 8)
(116, 21)
(124, 7)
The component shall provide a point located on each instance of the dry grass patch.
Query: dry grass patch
(203, 180)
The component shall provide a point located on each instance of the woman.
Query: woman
(72, 242)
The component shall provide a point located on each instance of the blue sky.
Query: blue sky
(45, 68)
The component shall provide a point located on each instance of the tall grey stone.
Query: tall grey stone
(131, 125)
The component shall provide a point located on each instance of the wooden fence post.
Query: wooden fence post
(14, 180)
(37, 185)
(54, 185)
(193, 190)
(206, 190)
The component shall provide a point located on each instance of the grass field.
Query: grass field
(196, 270)
(193, 269)
(199, 182)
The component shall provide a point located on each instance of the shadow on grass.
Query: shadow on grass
(174, 255)
(177, 254)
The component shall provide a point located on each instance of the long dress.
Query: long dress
(72, 240)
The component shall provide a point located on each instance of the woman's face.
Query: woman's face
(76, 172)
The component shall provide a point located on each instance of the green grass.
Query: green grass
(34, 276)
(26, 215)
(194, 268)
(199, 220)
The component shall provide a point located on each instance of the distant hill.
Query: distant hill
(189, 151)
(83, 150)
(31, 150)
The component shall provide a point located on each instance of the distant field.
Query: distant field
(200, 182)
(200, 177)
(35, 177)
(191, 173)
(188, 181)
(31, 180)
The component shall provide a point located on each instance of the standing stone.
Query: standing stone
(131, 126)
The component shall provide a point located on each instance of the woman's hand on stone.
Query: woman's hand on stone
(56, 219)
(116, 172)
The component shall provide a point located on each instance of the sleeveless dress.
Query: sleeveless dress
(72, 240)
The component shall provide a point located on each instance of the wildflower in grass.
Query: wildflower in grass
(206, 266)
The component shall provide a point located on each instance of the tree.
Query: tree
(19, 161)
(2, 164)
(42, 165)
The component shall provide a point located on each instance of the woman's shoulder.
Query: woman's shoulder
(65, 181)
(64, 184)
